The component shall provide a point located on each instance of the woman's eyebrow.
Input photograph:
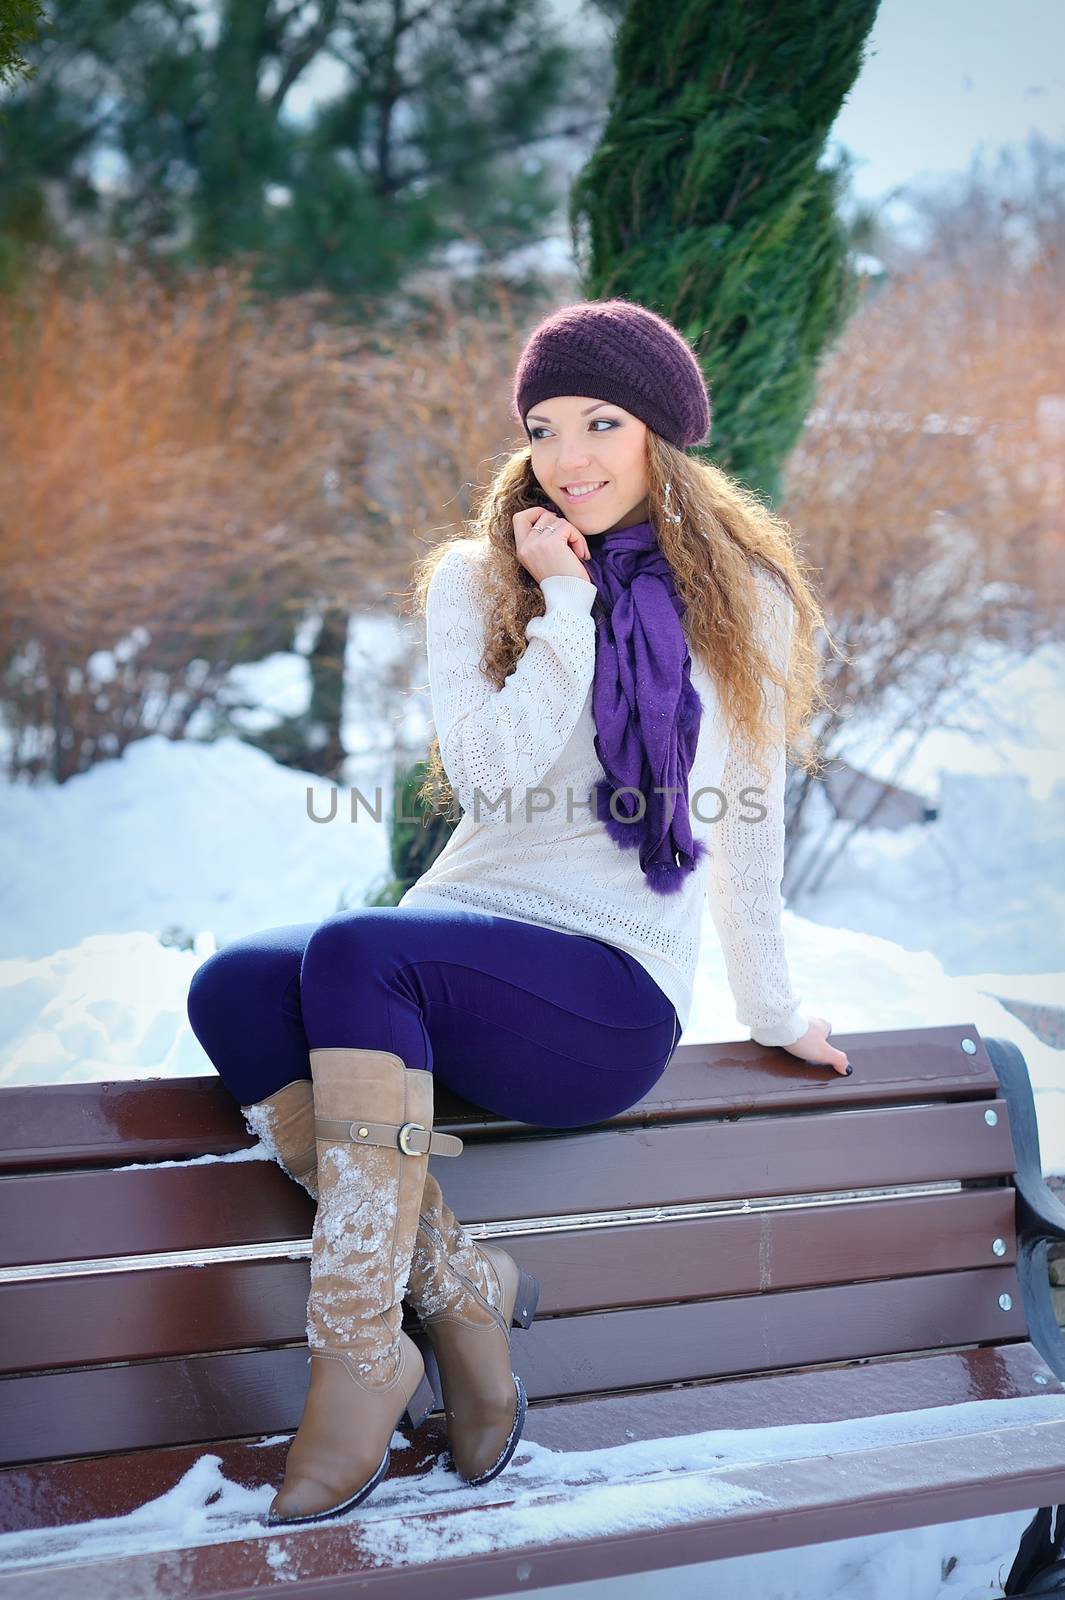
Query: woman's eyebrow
(537, 417)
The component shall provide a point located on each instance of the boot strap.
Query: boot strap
(413, 1138)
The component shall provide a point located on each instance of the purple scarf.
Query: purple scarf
(646, 711)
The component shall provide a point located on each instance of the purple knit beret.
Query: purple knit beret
(620, 351)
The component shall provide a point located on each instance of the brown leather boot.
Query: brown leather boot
(373, 1126)
(468, 1296)
(284, 1121)
(485, 1415)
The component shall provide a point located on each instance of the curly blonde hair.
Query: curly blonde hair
(725, 533)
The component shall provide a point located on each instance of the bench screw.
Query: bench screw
(991, 1117)
(1005, 1301)
(969, 1046)
(1040, 1377)
(999, 1247)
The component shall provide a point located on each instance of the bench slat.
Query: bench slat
(78, 1124)
(48, 1494)
(103, 1408)
(69, 1216)
(1001, 1468)
(180, 1310)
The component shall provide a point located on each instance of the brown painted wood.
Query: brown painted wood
(754, 1157)
(766, 1252)
(75, 1216)
(45, 1127)
(130, 1316)
(123, 1407)
(99, 1213)
(766, 1332)
(50, 1494)
(812, 1499)
(152, 1403)
(813, 1394)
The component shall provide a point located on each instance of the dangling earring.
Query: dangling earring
(671, 516)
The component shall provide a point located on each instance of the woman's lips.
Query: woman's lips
(574, 498)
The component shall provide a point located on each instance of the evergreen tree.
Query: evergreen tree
(707, 199)
(172, 129)
(18, 25)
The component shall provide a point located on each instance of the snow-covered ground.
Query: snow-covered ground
(983, 888)
(117, 885)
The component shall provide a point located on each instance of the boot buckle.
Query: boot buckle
(404, 1137)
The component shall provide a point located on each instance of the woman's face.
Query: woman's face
(577, 441)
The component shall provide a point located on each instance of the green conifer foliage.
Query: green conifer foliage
(708, 199)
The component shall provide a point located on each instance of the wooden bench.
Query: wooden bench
(759, 1243)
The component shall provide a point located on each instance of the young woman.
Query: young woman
(616, 676)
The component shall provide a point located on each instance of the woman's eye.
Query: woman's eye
(607, 422)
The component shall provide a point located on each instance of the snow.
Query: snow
(119, 883)
(184, 835)
(557, 1495)
(984, 886)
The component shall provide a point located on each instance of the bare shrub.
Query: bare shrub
(179, 480)
(437, 376)
(929, 489)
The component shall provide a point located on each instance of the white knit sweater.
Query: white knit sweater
(553, 861)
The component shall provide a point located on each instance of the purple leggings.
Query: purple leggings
(550, 1028)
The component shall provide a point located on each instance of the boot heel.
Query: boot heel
(526, 1301)
(421, 1403)
(432, 1373)
(429, 1361)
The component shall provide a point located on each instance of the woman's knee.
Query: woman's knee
(247, 974)
(209, 982)
(341, 942)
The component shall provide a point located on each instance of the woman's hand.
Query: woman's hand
(814, 1047)
(545, 543)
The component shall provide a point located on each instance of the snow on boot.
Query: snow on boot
(284, 1122)
(468, 1296)
(373, 1125)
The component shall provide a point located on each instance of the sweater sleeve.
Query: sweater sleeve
(747, 863)
(497, 744)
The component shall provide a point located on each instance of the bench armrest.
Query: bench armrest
(1041, 1213)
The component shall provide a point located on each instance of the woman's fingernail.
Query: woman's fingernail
(849, 1069)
